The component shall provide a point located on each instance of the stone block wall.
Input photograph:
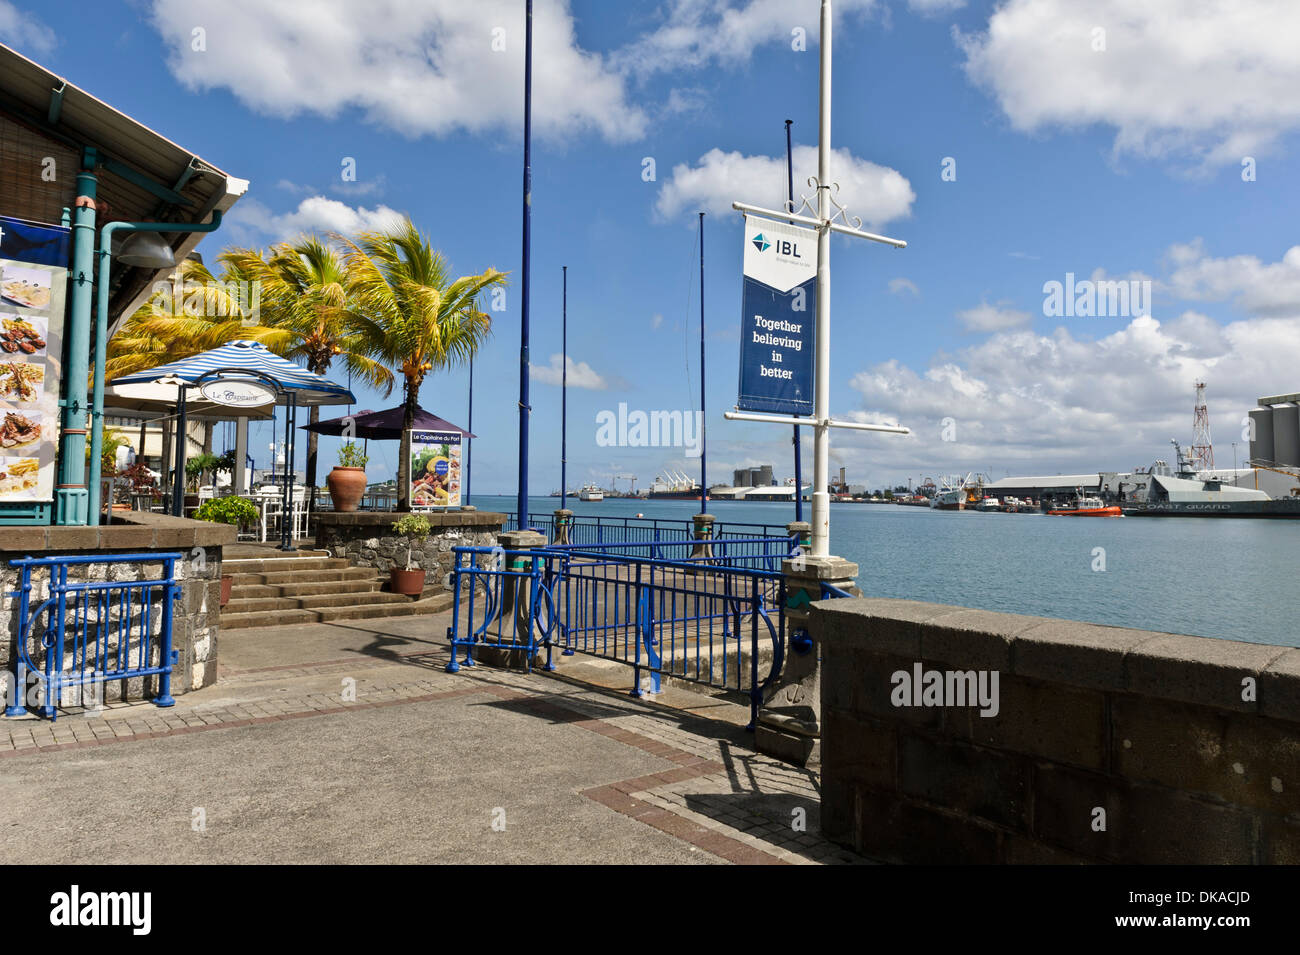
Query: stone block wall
(1107, 744)
(367, 539)
(196, 616)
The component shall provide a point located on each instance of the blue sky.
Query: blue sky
(1115, 155)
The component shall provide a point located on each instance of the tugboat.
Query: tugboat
(1087, 507)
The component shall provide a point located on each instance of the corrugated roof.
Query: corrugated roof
(1050, 480)
(27, 93)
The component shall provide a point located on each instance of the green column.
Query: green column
(70, 496)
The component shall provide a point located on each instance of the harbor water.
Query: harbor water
(1213, 577)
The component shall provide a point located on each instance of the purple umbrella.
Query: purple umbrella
(384, 425)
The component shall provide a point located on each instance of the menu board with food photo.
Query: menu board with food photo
(33, 288)
(435, 469)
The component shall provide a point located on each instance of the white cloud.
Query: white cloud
(1260, 288)
(992, 318)
(695, 33)
(876, 193)
(932, 7)
(23, 31)
(1199, 79)
(416, 68)
(1041, 403)
(581, 375)
(900, 285)
(316, 214)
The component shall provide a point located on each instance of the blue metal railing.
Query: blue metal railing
(599, 530)
(756, 553)
(92, 632)
(830, 591)
(703, 619)
(500, 603)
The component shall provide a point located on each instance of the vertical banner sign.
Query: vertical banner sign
(33, 282)
(777, 318)
(435, 468)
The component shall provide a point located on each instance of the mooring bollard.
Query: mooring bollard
(515, 616)
(563, 521)
(703, 546)
(789, 723)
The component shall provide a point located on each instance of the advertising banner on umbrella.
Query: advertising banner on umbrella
(435, 469)
(33, 280)
(777, 337)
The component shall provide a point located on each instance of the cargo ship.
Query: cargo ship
(673, 486)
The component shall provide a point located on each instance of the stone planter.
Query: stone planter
(346, 487)
(408, 582)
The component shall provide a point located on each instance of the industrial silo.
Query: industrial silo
(742, 478)
(1261, 441)
(763, 476)
(1286, 434)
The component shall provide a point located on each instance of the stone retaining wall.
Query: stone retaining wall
(196, 619)
(367, 539)
(1108, 744)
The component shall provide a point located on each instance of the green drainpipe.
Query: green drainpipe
(101, 333)
(70, 504)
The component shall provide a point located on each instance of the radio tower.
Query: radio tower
(1202, 450)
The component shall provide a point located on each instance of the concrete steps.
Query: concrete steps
(312, 587)
(304, 576)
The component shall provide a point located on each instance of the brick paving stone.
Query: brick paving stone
(703, 757)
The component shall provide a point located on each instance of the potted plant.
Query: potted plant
(195, 468)
(225, 462)
(237, 511)
(411, 580)
(347, 481)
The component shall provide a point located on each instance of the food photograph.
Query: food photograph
(25, 287)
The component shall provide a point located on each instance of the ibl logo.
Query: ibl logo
(782, 246)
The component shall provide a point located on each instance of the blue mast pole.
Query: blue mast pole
(564, 387)
(469, 442)
(798, 449)
(522, 506)
(704, 484)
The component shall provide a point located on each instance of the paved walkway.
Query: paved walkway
(347, 742)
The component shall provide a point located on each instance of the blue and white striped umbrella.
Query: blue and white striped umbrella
(234, 357)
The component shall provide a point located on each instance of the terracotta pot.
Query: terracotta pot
(226, 581)
(408, 582)
(346, 487)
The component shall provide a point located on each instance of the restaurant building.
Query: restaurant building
(69, 165)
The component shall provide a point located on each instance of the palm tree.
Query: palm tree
(304, 289)
(412, 315)
(197, 312)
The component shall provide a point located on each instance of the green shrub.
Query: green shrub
(412, 527)
(229, 510)
(351, 456)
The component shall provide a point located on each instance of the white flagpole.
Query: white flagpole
(828, 209)
(821, 500)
